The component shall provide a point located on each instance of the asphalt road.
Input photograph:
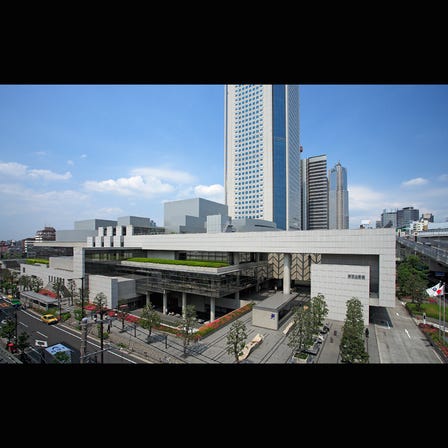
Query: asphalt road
(399, 339)
(59, 333)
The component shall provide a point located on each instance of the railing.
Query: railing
(436, 253)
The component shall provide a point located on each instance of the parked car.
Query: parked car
(49, 319)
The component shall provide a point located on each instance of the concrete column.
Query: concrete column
(286, 273)
(184, 303)
(212, 309)
(236, 258)
(148, 297)
(237, 295)
(165, 302)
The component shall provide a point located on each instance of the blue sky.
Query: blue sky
(73, 152)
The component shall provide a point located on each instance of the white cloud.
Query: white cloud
(18, 170)
(109, 212)
(128, 186)
(443, 177)
(70, 162)
(176, 176)
(414, 182)
(213, 192)
(12, 169)
(41, 153)
(83, 156)
(49, 175)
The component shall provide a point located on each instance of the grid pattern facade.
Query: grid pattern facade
(262, 153)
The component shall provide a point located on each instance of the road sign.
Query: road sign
(40, 343)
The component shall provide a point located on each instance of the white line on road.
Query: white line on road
(396, 313)
(21, 323)
(407, 332)
(44, 335)
(438, 357)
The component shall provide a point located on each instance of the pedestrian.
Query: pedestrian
(424, 318)
(367, 332)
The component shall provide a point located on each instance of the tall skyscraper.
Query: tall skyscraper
(262, 153)
(314, 193)
(338, 198)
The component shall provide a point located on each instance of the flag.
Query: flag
(436, 290)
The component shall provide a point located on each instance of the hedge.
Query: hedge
(204, 264)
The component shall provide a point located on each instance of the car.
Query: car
(49, 319)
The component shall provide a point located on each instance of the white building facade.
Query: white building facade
(262, 153)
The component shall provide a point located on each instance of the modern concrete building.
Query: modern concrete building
(314, 193)
(83, 229)
(389, 218)
(343, 264)
(190, 215)
(338, 209)
(262, 153)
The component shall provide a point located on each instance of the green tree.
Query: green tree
(412, 279)
(61, 358)
(319, 311)
(71, 286)
(301, 333)
(36, 283)
(150, 318)
(187, 324)
(352, 347)
(236, 339)
(22, 344)
(58, 286)
(8, 330)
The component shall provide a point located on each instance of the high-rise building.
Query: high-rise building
(428, 216)
(262, 153)
(389, 218)
(338, 198)
(406, 215)
(314, 193)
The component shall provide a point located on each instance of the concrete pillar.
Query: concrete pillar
(212, 309)
(148, 297)
(237, 295)
(165, 302)
(236, 258)
(286, 273)
(184, 303)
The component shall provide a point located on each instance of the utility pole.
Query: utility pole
(83, 348)
(102, 334)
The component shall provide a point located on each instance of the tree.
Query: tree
(319, 311)
(301, 334)
(58, 286)
(100, 303)
(187, 324)
(236, 339)
(412, 279)
(36, 283)
(8, 330)
(61, 358)
(23, 344)
(150, 318)
(122, 315)
(71, 286)
(352, 348)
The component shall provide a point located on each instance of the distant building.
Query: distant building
(338, 214)
(314, 192)
(47, 234)
(389, 218)
(190, 215)
(407, 215)
(428, 216)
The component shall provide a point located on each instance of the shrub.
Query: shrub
(204, 264)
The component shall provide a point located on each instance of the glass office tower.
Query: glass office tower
(262, 153)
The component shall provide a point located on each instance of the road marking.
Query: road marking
(403, 303)
(44, 335)
(407, 332)
(396, 313)
(21, 323)
(438, 357)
